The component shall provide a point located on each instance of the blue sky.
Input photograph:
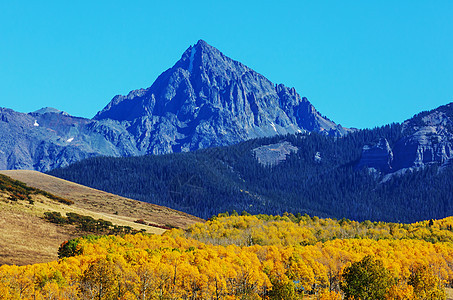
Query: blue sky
(361, 63)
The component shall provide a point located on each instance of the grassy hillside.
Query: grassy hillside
(28, 237)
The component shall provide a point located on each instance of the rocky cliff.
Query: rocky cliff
(427, 138)
(378, 156)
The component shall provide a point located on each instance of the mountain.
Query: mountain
(398, 172)
(46, 139)
(206, 99)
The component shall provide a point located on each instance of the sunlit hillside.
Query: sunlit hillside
(36, 217)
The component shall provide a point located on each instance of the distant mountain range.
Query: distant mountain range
(206, 99)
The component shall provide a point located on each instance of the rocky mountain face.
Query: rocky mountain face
(206, 99)
(427, 138)
(379, 156)
(48, 139)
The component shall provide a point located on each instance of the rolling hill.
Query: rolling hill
(27, 237)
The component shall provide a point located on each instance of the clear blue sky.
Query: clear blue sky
(361, 63)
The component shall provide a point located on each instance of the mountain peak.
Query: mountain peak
(201, 44)
(203, 56)
(47, 109)
(208, 99)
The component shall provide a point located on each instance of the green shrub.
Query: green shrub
(69, 248)
(55, 217)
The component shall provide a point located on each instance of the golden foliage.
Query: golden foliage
(240, 257)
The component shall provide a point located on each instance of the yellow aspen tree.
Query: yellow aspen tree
(327, 294)
(401, 291)
(51, 291)
(20, 282)
(426, 284)
(98, 281)
(143, 281)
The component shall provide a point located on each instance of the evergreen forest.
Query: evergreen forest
(321, 178)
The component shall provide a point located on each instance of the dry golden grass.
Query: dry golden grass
(25, 237)
(449, 293)
(110, 205)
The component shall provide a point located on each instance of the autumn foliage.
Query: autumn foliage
(247, 257)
